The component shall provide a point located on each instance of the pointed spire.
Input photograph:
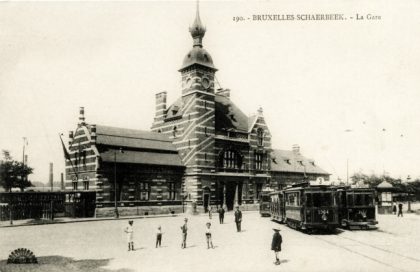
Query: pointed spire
(197, 29)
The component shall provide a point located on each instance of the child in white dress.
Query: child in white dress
(130, 235)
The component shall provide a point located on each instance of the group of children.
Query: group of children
(275, 244)
(184, 228)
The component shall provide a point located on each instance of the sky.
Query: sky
(344, 91)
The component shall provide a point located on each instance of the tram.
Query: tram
(306, 206)
(356, 208)
(311, 206)
(265, 202)
(277, 206)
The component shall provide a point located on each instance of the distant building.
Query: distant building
(289, 166)
(202, 150)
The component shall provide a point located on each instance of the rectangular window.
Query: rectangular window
(258, 161)
(144, 191)
(86, 184)
(172, 190)
(74, 185)
(292, 199)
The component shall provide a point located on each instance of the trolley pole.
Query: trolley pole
(347, 171)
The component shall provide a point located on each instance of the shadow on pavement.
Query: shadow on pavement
(60, 263)
(326, 232)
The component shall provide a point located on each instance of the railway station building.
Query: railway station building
(202, 151)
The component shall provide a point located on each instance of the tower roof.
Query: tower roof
(197, 29)
(197, 55)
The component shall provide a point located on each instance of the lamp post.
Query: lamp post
(116, 214)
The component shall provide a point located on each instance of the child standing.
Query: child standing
(158, 236)
(130, 235)
(184, 229)
(208, 236)
(276, 244)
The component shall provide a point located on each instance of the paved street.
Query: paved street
(101, 246)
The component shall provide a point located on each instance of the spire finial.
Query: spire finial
(197, 29)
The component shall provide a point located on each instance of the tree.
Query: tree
(14, 174)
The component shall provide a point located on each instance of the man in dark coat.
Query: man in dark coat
(221, 212)
(276, 244)
(400, 207)
(238, 219)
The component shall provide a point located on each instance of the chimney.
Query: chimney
(62, 181)
(160, 107)
(51, 176)
(260, 113)
(81, 116)
(296, 149)
(223, 92)
(71, 137)
(93, 134)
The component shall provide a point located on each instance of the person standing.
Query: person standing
(184, 229)
(238, 219)
(130, 235)
(208, 236)
(159, 237)
(394, 209)
(276, 244)
(221, 212)
(400, 207)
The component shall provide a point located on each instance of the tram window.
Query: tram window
(358, 200)
(349, 200)
(309, 201)
(369, 200)
(265, 198)
(322, 199)
(292, 199)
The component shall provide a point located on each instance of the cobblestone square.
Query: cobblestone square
(101, 246)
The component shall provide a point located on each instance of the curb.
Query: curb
(89, 220)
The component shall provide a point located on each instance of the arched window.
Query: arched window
(260, 137)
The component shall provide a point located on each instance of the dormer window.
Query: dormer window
(260, 137)
(175, 110)
(300, 162)
(287, 161)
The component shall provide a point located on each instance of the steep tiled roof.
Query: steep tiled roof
(251, 122)
(133, 138)
(174, 110)
(142, 157)
(229, 116)
(290, 161)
